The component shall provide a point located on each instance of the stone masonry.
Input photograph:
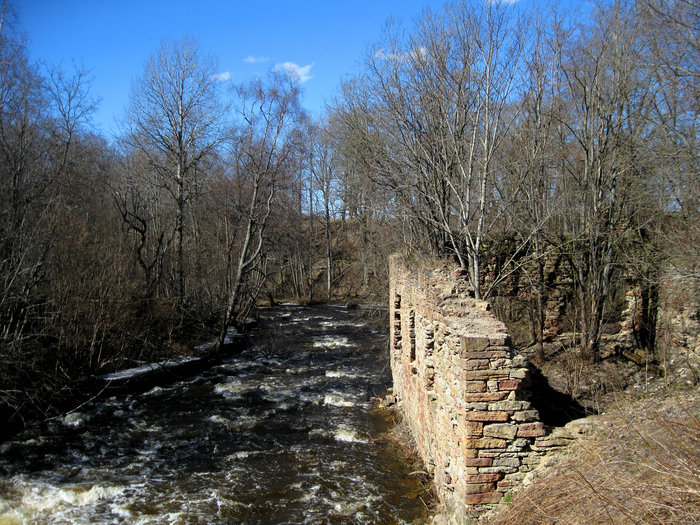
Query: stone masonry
(460, 386)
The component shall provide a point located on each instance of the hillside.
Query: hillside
(637, 462)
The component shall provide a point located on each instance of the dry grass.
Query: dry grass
(639, 465)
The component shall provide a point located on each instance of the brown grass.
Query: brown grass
(640, 465)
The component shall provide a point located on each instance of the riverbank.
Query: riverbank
(284, 432)
(637, 462)
(175, 362)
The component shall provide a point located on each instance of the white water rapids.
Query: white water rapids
(282, 433)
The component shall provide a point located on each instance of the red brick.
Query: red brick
(478, 462)
(531, 426)
(488, 397)
(493, 415)
(510, 384)
(476, 364)
(530, 430)
(484, 478)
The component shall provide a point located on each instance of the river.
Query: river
(283, 432)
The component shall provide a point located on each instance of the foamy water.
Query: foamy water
(44, 502)
(257, 439)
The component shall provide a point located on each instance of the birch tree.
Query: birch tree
(442, 101)
(607, 101)
(530, 164)
(174, 122)
(324, 172)
(261, 148)
(673, 64)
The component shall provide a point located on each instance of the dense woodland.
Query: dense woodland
(483, 128)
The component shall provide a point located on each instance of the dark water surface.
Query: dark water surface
(282, 433)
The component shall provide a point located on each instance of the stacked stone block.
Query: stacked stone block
(460, 386)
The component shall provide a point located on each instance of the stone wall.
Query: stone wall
(460, 386)
(678, 327)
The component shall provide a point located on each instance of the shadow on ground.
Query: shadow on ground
(556, 408)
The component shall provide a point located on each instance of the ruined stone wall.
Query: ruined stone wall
(678, 327)
(460, 386)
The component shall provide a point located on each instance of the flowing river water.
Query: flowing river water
(283, 432)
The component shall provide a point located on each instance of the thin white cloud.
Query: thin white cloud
(300, 73)
(223, 77)
(253, 60)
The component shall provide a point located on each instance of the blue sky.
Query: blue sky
(113, 38)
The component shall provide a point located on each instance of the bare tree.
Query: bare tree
(607, 100)
(442, 101)
(529, 162)
(53, 229)
(374, 207)
(7, 17)
(25, 123)
(672, 62)
(174, 121)
(261, 148)
(138, 197)
(325, 174)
